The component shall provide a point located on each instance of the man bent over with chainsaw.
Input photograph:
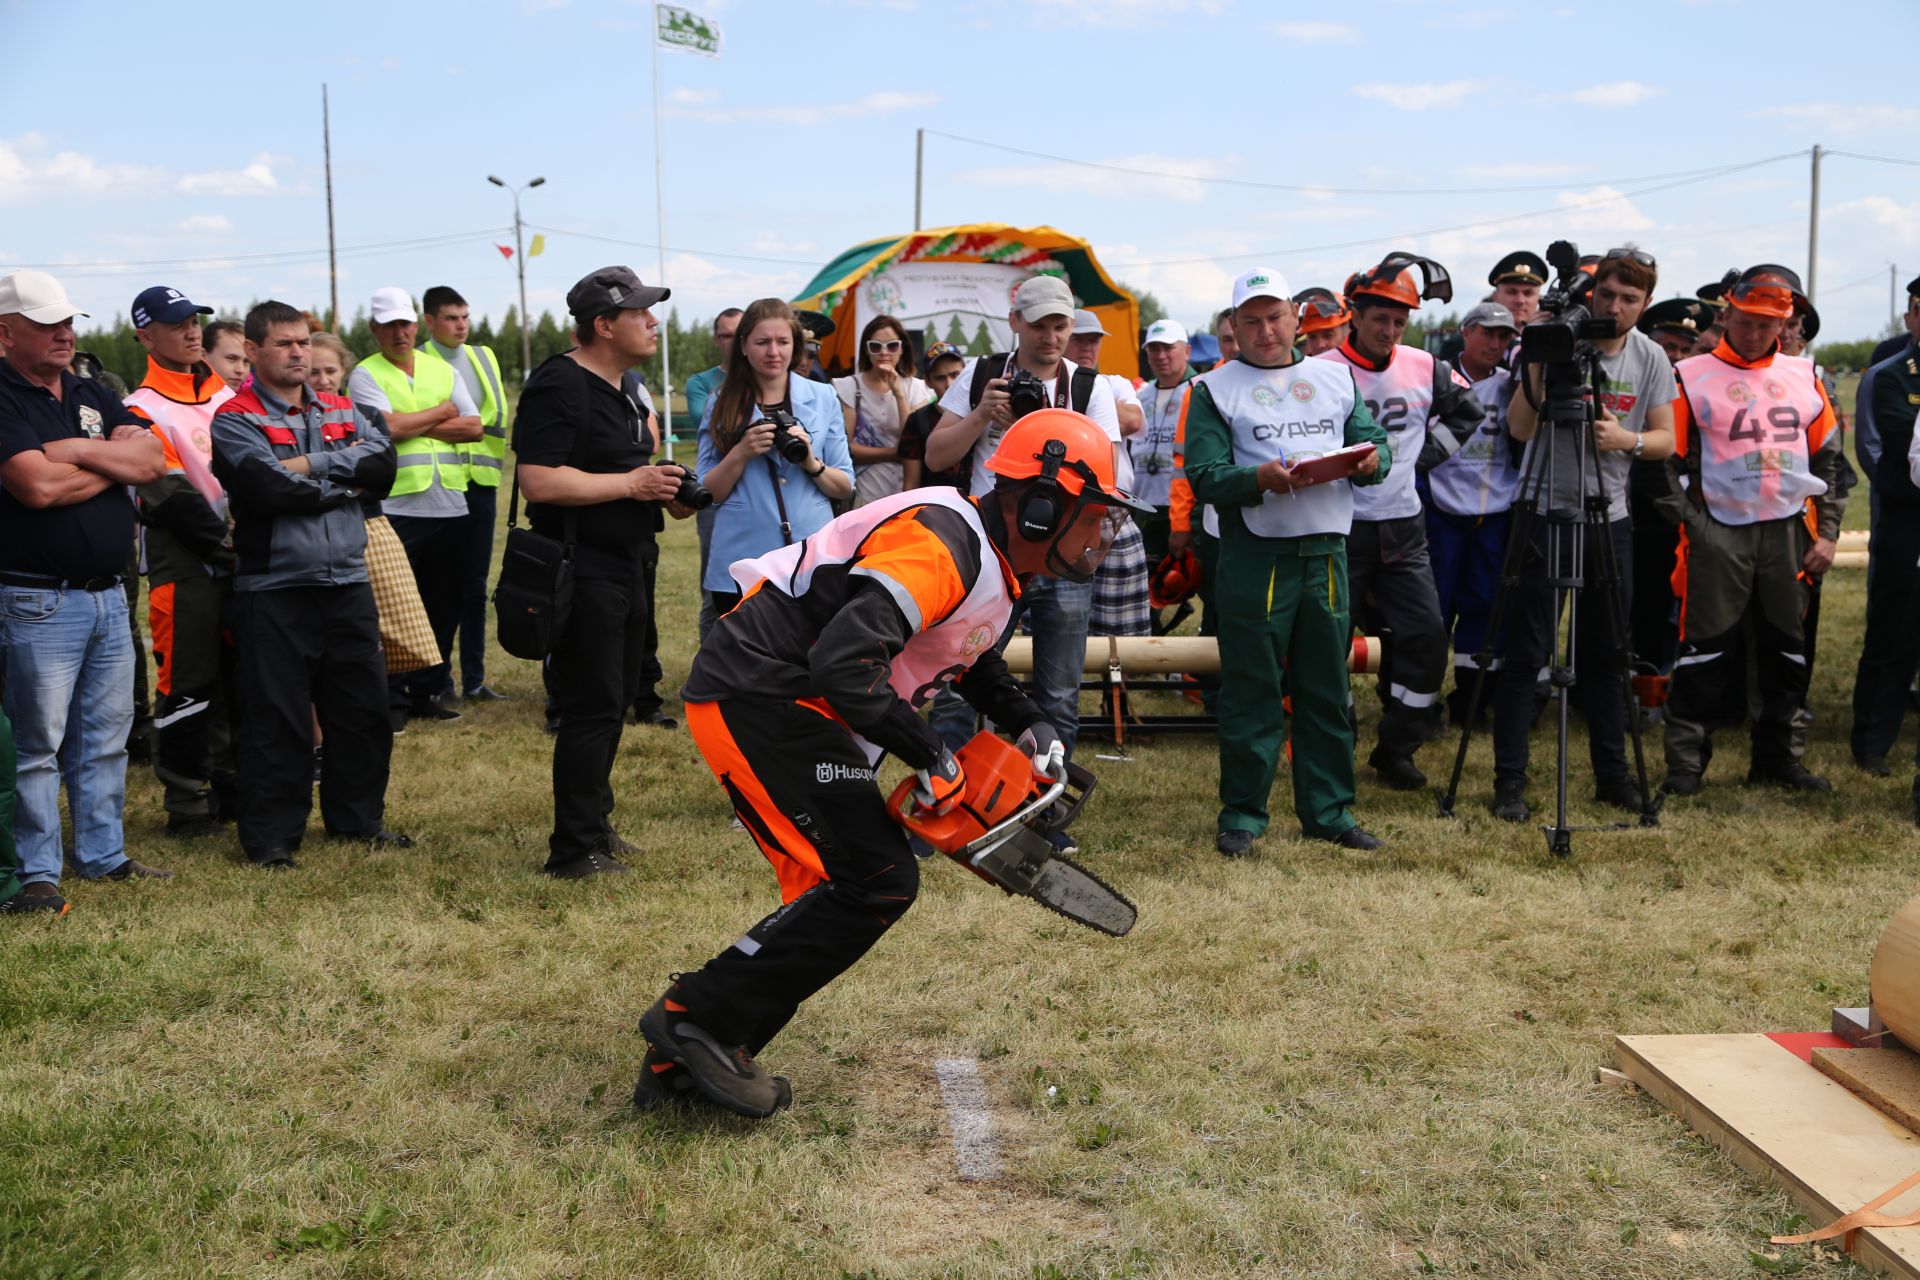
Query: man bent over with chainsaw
(817, 674)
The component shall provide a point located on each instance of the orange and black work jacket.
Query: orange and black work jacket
(1755, 441)
(868, 618)
(290, 529)
(186, 532)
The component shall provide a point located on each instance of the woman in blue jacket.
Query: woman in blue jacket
(773, 447)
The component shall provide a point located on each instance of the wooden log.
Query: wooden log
(1846, 559)
(1172, 655)
(1895, 977)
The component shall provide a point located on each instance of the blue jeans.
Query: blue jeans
(69, 665)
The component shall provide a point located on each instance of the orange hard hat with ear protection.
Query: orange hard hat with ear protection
(1394, 281)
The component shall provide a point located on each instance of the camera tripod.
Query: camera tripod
(1574, 539)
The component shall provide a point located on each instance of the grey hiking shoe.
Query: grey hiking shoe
(725, 1073)
(665, 1083)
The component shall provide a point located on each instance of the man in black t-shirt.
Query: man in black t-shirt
(583, 444)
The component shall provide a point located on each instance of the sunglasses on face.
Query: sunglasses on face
(875, 346)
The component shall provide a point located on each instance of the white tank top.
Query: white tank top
(1290, 414)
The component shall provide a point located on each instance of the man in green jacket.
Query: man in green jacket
(1281, 593)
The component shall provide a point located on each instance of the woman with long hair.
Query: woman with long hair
(331, 362)
(876, 400)
(773, 447)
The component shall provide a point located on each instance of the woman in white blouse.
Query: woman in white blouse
(876, 402)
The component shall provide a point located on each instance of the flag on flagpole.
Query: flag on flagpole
(539, 243)
(506, 250)
(677, 28)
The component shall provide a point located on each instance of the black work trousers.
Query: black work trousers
(437, 550)
(1533, 622)
(1890, 655)
(647, 702)
(803, 788)
(1390, 585)
(301, 651)
(594, 674)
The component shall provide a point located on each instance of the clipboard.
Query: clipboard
(1337, 465)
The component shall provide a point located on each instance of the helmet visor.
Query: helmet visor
(1086, 535)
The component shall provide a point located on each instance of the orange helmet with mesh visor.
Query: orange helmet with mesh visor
(1394, 280)
(1175, 579)
(1321, 309)
(1059, 467)
(1767, 290)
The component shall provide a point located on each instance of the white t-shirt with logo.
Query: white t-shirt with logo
(1100, 409)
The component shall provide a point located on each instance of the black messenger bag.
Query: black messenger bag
(535, 595)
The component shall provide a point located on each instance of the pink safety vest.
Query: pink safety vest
(1749, 437)
(1400, 397)
(189, 430)
(940, 648)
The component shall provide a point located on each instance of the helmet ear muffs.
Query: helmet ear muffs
(1039, 515)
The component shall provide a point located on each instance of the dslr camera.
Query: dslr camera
(1025, 393)
(691, 494)
(786, 437)
(1565, 331)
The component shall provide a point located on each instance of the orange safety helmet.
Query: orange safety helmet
(1767, 290)
(1393, 281)
(1175, 579)
(1062, 465)
(1321, 309)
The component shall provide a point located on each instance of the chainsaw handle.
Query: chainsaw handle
(998, 834)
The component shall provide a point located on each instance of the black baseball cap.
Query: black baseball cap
(164, 305)
(612, 289)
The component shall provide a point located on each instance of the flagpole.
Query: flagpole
(660, 228)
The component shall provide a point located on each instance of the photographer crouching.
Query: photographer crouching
(583, 450)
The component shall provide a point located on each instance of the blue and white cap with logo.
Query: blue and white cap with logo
(1261, 282)
(164, 305)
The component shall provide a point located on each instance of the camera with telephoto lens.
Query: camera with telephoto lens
(691, 494)
(1025, 393)
(1565, 331)
(786, 437)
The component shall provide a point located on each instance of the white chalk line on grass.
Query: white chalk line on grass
(976, 1151)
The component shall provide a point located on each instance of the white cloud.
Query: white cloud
(204, 224)
(1840, 117)
(1901, 221)
(1191, 291)
(1316, 32)
(1420, 97)
(884, 102)
(692, 97)
(1178, 185)
(1614, 93)
(256, 179)
(30, 170)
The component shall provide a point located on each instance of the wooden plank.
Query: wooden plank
(1783, 1121)
(1888, 1078)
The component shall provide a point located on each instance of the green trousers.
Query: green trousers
(1278, 608)
(9, 856)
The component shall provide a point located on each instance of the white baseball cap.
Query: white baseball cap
(37, 296)
(393, 303)
(1085, 321)
(1261, 282)
(1043, 296)
(1167, 331)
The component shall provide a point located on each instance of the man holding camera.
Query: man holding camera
(583, 447)
(1634, 423)
(1429, 412)
(1755, 439)
(990, 395)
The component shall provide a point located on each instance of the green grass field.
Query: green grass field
(1304, 1064)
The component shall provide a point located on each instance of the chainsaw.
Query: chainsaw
(999, 831)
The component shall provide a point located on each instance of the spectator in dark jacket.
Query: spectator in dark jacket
(296, 465)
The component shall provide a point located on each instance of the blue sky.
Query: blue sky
(187, 140)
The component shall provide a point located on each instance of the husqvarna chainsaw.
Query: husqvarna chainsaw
(999, 831)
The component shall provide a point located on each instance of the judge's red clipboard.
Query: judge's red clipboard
(1337, 465)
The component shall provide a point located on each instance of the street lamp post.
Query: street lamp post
(520, 257)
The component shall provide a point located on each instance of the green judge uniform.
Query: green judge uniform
(1281, 594)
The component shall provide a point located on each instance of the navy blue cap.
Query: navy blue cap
(164, 305)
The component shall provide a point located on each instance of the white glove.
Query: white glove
(1040, 742)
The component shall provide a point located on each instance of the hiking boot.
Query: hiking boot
(382, 841)
(131, 870)
(485, 693)
(617, 843)
(1793, 775)
(1510, 801)
(587, 865)
(1621, 793)
(397, 719)
(1681, 783)
(274, 860)
(664, 1082)
(725, 1074)
(1359, 839)
(1873, 766)
(196, 826)
(1397, 773)
(657, 718)
(1235, 843)
(432, 711)
(36, 899)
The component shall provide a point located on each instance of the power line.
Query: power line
(1855, 155)
(1321, 189)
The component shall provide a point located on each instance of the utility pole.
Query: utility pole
(333, 264)
(919, 171)
(520, 256)
(1813, 225)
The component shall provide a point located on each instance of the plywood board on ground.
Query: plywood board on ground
(1781, 1119)
(1888, 1078)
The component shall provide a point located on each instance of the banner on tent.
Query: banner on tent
(965, 303)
